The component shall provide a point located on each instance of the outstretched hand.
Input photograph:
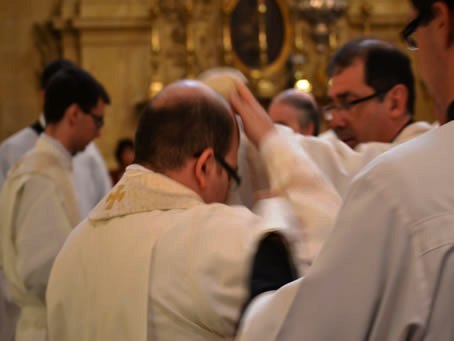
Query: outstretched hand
(256, 121)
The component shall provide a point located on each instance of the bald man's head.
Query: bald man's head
(297, 110)
(185, 91)
(183, 119)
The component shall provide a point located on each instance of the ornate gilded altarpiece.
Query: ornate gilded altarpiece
(136, 46)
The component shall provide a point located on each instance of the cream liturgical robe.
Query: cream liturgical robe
(282, 167)
(38, 209)
(340, 163)
(387, 270)
(92, 183)
(154, 262)
(336, 160)
(91, 179)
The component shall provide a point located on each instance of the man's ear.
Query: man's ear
(203, 167)
(397, 99)
(443, 21)
(72, 114)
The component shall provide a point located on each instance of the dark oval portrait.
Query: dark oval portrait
(245, 21)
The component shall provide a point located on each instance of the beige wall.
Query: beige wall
(20, 61)
(111, 38)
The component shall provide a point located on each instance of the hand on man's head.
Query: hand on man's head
(257, 124)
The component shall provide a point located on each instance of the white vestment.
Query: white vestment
(340, 163)
(38, 209)
(335, 159)
(284, 168)
(155, 262)
(330, 159)
(91, 179)
(9, 313)
(387, 270)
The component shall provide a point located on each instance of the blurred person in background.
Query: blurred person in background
(124, 154)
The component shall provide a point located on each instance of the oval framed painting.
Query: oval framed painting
(259, 34)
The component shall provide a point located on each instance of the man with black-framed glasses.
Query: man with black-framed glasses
(38, 202)
(387, 270)
(371, 108)
(371, 111)
(431, 57)
(162, 255)
(90, 174)
(371, 93)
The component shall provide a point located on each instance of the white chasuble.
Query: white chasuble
(153, 261)
(38, 209)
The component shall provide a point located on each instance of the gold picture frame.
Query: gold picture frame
(241, 30)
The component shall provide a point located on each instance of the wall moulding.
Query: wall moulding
(114, 9)
(104, 23)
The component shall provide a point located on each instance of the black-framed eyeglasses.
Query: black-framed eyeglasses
(229, 169)
(407, 33)
(98, 120)
(231, 172)
(347, 105)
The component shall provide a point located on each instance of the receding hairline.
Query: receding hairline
(289, 94)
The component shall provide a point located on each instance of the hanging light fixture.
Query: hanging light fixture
(320, 14)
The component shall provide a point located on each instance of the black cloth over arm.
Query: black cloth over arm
(272, 266)
(450, 113)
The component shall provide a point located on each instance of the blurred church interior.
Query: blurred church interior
(134, 47)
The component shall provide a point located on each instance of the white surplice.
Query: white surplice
(92, 182)
(327, 158)
(281, 166)
(387, 270)
(335, 159)
(38, 207)
(90, 175)
(340, 163)
(155, 262)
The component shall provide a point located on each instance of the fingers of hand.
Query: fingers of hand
(235, 101)
(246, 95)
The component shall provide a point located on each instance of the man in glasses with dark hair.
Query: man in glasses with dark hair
(38, 204)
(431, 56)
(162, 257)
(371, 110)
(387, 270)
(90, 174)
(372, 93)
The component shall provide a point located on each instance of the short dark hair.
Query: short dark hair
(423, 6)
(168, 135)
(52, 68)
(311, 111)
(384, 65)
(72, 86)
(122, 145)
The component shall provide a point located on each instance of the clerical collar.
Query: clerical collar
(450, 112)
